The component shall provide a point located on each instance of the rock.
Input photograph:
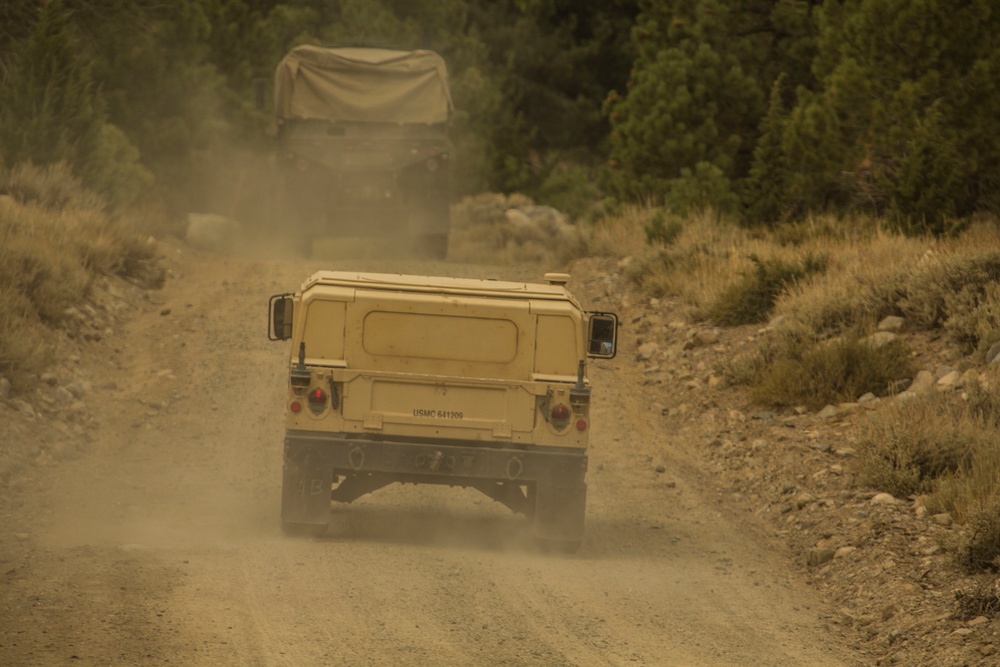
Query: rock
(951, 380)
(921, 384)
(867, 398)
(901, 385)
(661, 468)
(646, 351)
(63, 395)
(880, 339)
(165, 311)
(943, 519)
(76, 389)
(819, 556)
(49, 378)
(962, 632)
(891, 323)
(707, 337)
(993, 353)
(702, 338)
(829, 412)
(4, 389)
(803, 499)
(844, 552)
(978, 620)
(883, 499)
(844, 452)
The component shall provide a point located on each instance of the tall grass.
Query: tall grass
(55, 239)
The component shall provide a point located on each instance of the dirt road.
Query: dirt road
(160, 544)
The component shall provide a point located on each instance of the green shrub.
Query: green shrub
(663, 227)
(799, 371)
(750, 300)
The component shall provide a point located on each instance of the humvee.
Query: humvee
(434, 380)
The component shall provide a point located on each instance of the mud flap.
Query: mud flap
(559, 512)
(305, 492)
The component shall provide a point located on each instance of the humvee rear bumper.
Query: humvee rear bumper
(546, 483)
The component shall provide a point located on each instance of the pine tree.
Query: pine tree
(765, 197)
(50, 110)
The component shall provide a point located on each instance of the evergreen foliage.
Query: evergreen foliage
(771, 109)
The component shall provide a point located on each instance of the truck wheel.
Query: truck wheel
(559, 515)
(303, 529)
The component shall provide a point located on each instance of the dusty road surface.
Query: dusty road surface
(160, 543)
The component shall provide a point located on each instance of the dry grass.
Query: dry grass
(55, 238)
(943, 445)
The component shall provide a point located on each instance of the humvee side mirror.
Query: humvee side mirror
(603, 335)
(280, 308)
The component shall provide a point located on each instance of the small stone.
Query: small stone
(763, 416)
(803, 499)
(949, 381)
(844, 452)
(942, 519)
(994, 353)
(883, 499)
(844, 552)
(867, 398)
(661, 468)
(76, 389)
(49, 378)
(880, 339)
(921, 384)
(165, 311)
(829, 412)
(962, 632)
(978, 620)
(646, 351)
(891, 323)
(819, 556)
(4, 388)
(987, 650)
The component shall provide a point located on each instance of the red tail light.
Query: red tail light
(560, 416)
(295, 407)
(317, 400)
(581, 425)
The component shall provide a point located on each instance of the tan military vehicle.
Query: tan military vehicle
(461, 382)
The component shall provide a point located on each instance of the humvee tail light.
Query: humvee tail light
(317, 400)
(581, 425)
(295, 407)
(560, 416)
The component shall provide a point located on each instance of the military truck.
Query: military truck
(433, 380)
(363, 145)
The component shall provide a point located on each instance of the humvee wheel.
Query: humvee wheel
(303, 529)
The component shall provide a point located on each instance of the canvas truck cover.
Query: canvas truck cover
(362, 85)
